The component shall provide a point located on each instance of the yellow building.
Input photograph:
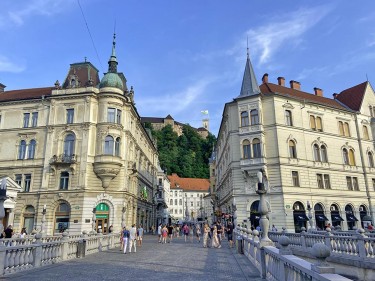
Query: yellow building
(80, 150)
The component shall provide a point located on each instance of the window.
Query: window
(175, 193)
(355, 183)
(327, 182)
(346, 156)
(370, 160)
(319, 124)
(69, 116)
(26, 119)
(323, 150)
(373, 184)
(69, 145)
(18, 179)
(246, 149)
(64, 180)
(180, 211)
(175, 202)
(22, 150)
(244, 118)
(114, 115)
(352, 183)
(254, 117)
(192, 204)
(349, 183)
(108, 145)
(197, 204)
(288, 118)
(292, 149)
(256, 148)
(117, 147)
(341, 128)
(34, 119)
(320, 180)
(346, 129)
(365, 133)
(180, 202)
(31, 151)
(312, 122)
(316, 153)
(171, 202)
(27, 182)
(351, 157)
(295, 178)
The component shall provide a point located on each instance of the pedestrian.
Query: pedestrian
(153, 229)
(206, 231)
(191, 233)
(110, 229)
(198, 232)
(125, 237)
(9, 232)
(23, 233)
(219, 231)
(215, 240)
(229, 230)
(164, 234)
(133, 239)
(140, 235)
(185, 230)
(159, 233)
(274, 228)
(170, 233)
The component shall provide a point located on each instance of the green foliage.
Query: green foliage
(187, 155)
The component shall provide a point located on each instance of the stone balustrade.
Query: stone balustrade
(279, 264)
(18, 254)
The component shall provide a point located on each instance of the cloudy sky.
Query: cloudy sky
(183, 57)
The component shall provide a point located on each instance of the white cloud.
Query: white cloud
(8, 66)
(267, 39)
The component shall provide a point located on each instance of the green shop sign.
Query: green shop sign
(102, 207)
(102, 216)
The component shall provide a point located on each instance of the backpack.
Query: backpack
(126, 234)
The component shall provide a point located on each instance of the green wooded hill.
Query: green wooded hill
(186, 155)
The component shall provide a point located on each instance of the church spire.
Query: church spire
(112, 63)
(249, 82)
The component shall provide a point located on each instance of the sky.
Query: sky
(185, 57)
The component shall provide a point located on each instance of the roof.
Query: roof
(268, 88)
(152, 119)
(25, 94)
(189, 184)
(353, 96)
(249, 81)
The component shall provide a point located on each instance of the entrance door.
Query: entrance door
(102, 224)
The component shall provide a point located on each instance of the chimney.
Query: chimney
(2, 88)
(318, 92)
(295, 85)
(281, 81)
(265, 78)
(335, 95)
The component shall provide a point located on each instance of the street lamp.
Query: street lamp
(263, 209)
(43, 230)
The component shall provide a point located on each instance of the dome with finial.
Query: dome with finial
(112, 78)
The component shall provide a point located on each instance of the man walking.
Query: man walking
(140, 235)
(230, 234)
(125, 238)
(219, 232)
(133, 239)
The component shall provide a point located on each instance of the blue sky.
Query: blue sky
(183, 57)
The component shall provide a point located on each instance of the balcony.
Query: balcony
(250, 129)
(63, 161)
(106, 167)
(253, 161)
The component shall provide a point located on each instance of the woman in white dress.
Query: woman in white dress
(215, 240)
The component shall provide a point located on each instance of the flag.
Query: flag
(204, 111)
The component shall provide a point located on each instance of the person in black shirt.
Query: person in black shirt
(229, 230)
(219, 232)
(8, 232)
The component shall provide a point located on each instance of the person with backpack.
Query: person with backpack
(125, 238)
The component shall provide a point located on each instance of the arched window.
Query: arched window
(175, 202)
(69, 145)
(323, 151)
(31, 152)
(244, 118)
(370, 160)
(108, 145)
(341, 128)
(351, 157)
(365, 133)
(62, 216)
(319, 126)
(117, 147)
(316, 153)
(288, 118)
(346, 129)
(254, 117)
(22, 150)
(171, 202)
(312, 122)
(246, 149)
(256, 148)
(292, 149)
(346, 156)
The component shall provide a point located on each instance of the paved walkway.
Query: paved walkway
(153, 261)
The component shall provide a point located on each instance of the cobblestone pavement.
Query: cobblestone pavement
(153, 261)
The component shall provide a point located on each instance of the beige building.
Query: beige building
(317, 152)
(80, 150)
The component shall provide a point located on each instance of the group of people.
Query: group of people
(167, 233)
(9, 232)
(131, 237)
(216, 233)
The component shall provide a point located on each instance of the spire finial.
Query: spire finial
(248, 56)
(112, 63)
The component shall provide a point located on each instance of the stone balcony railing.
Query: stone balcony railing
(20, 254)
(63, 159)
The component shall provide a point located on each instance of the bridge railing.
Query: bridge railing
(30, 252)
(279, 264)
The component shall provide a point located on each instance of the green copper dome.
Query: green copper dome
(111, 80)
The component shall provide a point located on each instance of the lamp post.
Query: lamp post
(93, 220)
(3, 197)
(310, 216)
(263, 209)
(43, 228)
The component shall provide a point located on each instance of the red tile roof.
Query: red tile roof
(267, 88)
(189, 184)
(353, 96)
(25, 94)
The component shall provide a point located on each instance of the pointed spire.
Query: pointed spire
(249, 82)
(112, 63)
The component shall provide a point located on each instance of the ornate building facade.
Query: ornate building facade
(317, 153)
(80, 152)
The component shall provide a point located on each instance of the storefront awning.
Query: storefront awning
(321, 217)
(301, 217)
(336, 217)
(351, 218)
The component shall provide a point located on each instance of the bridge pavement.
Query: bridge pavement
(153, 261)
